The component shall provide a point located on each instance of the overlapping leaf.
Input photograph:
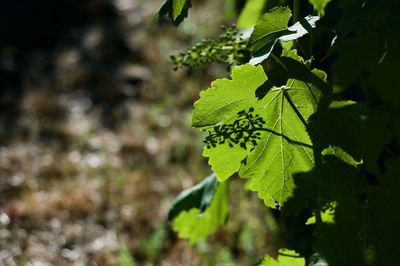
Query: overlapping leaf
(265, 139)
(273, 26)
(177, 10)
(198, 196)
(195, 226)
(250, 13)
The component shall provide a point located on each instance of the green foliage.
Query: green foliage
(250, 13)
(286, 258)
(194, 225)
(264, 139)
(212, 108)
(177, 10)
(332, 154)
(269, 28)
(198, 196)
(228, 49)
(272, 27)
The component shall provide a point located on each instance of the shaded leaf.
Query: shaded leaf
(177, 10)
(198, 196)
(342, 155)
(361, 135)
(366, 224)
(193, 226)
(272, 27)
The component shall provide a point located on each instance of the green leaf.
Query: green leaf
(291, 53)
(285, 148)
(250, 13)
(267, 31)
(365, 223)
(286, 258)
(342, 155)
(194, 226)
(178, 7)
(221, 103)
(177, 10)
(198, 196)
(319, 5)
(273, 26)
(327, 215)
(265, 139)
(383, 231)
(352, 134)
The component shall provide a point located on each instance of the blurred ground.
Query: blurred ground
(95, 138)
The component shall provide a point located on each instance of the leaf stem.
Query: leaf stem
(278, 61)
(296, 10)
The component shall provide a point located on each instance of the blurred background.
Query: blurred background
(95, 137)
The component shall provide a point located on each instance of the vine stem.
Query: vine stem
(296, 10)
(296, 17)
(278, 61)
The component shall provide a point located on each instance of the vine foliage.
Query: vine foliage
(311, 118)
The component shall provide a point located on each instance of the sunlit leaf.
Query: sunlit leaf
(286, 258)
(250, 13)
(265, 139)
(326, 216)
(272, 27)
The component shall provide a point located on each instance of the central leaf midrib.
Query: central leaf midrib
(282, 155)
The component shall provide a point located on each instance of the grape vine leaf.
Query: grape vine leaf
(383, 222)
(272, 27)
(365, 222)
(177, 10)
(193, 226)
(286, 257)
(198, 196)
(360, 137)
(221, 103)
(251, 12)
(266, 139)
